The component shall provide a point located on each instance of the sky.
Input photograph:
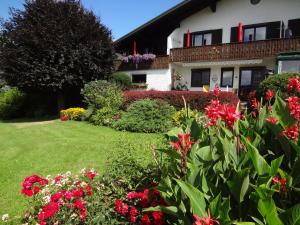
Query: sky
(121, 16)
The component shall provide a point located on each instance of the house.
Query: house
(202, 44)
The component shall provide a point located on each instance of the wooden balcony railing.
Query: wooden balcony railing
(235, 51)
(160, 62)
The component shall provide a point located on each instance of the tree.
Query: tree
(54, 47)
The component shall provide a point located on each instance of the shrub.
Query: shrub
(101, 93)
(122, 79)
(277, 83)
(104, 116)
(11, 103)
(195, 100)
(148, 116)
(183, 114)
(73, 113)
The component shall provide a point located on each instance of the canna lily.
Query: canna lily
(205, 220)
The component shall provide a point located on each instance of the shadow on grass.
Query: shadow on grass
(30, 120)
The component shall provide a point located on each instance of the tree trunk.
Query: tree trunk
(60, 102)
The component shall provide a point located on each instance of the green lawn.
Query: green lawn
(59, 147)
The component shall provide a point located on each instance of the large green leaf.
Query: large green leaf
(204, 153)
(260, 164)
(195, 196)
(281, 112)
(214, 205)
(275, 164)
(171, 210)
(261, 118)
(291, 216)
(239, 185)
(243, 223)
(267, 209)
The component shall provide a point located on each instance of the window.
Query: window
(246, 78)
(255, 34)
(139, 78)
(227, 77)
(252, 77)
(199, 39)
(290, 66)
(200, 77)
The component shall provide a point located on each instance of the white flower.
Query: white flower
(68, 174)
(5, 218)
(73, 216)
(83, 171)
(83, 184)
(48, 177)
(46, 199)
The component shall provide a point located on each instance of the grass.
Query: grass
(57, 147)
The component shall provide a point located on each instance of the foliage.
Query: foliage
(11, 103)
(196, 100)
(54, 47)
(182, 115)
(63, 199)
(101, 93)
(238, 169)
(277, 83)
(148, 116)
(73, 113)
(122, 79)
(104, 116)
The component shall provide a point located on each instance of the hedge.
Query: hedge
(196, 100)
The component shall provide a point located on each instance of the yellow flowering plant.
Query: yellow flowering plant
(72, 113)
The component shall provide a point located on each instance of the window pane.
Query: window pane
(198, 40)
(205, 77)
(258, 75)
(246, 77)
(196, 79)
(291, 66)
(227, 78)
(261, 33)
(207, 39)
(139, 78)
(249, 34)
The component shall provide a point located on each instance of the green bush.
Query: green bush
(101, 93)
(149, 116)
(186, 113)
(104, 116)
(277, 83)
(11, 103)
(122, 79)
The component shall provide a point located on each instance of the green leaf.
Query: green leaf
(275, 164)
(267, 209)
(243, 223)
(257, 221)
(281, 112)
(291, 216)
(195, 130)
(260, 164)
(295, 147)
(239, 185)
(170, 152)
(196, 197)
(204, 153)
(261, 118)
(214, 205)
(171, 210)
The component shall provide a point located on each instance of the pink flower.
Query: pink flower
(216, 91)
(294, 84)
(275, 180)
(133, 214)
(272, 120)
(206, 220)
(125, 208)
(68, 195)
(294, 106)
(291, 132)
(269, 95)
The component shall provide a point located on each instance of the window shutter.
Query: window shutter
(234, 34)
(273, 30)
(294, 25)
(184, 40)
(217, 37)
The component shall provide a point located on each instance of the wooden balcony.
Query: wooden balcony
(160, 62)
(235, 51)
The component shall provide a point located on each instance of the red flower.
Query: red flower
(275, 180)
(282, 182)
(48, 211)
(291, 132)
(254, 103)
(272, 120)
(56, 197)
(294, 84)
(36, 189)
(78, 204)
(64, 118)
(77, 192)
(145, 220)
(118, 207)
(216, 91)
(158, 218)
(89, 190)
(133, 214)
(91, 174)
(68, 195)
(176, 146)
(29, 186)
(205, 221)
(133, 195)
(229, 115)
(57, 179)
(294, 106)
(184, 143)
(269, 95)
(212, 112)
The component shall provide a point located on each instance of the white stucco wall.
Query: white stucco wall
(159, 80)
(230, 12)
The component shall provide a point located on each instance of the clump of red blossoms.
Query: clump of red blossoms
(217, 92)
(205, 220)
(269, 95)
(137, 201)
(294, 84)
(32, 185)
(291, 132)
(282, 185)
(272, 120)
(294, 106)
(64, 118)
